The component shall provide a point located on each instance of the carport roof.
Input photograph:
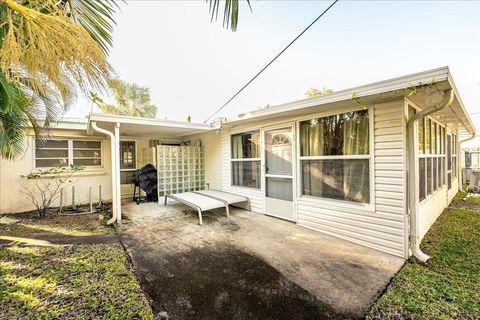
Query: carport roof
(136, 126)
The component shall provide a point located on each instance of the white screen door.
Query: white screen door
(279, 173)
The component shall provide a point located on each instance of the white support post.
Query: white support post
(118, 211)
(61, 200)
(90, 198)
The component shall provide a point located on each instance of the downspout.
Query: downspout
(413, 178)
(460, 174)
(114, 176)
(118, 212)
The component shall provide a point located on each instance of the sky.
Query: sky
(192, 65)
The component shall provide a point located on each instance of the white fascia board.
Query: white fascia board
(469, 126)
(416, 79)
(71, 126)
(147, 122)
(66, 124)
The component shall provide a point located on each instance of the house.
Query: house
(374, 164)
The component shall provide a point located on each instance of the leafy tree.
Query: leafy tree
(132, 100)
(48, 48)
(314, 92)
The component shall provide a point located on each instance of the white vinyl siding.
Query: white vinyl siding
(431, 208)
(381, 227)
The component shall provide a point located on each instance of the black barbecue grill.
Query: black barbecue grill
(145, 179)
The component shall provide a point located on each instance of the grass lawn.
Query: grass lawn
(449, 287)
(41, 280)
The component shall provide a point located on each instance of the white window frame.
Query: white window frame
(259, 159)
(442, 154)
(475, 158)
(455, 169)
(370, 156)
(136, 156)
(70, 152)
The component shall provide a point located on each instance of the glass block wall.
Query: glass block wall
(180, 169)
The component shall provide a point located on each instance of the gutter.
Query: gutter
(413, 178)
(114, 176)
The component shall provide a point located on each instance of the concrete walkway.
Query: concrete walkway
(249, 267)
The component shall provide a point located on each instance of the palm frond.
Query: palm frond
(13, 119)
(95, 16)
(50, 45)
(230, 12)
(48, 104)
(49, 49)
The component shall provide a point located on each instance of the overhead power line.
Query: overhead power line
(271, 61)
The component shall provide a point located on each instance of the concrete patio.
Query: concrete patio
(249, 266)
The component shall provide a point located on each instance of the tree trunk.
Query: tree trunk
(42, 213)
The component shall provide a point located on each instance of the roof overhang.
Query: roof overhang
(137, 126)
(437, 80)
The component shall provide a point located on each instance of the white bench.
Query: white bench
(207, 200)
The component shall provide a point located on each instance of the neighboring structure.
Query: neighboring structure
(471, 167)
(375, 164)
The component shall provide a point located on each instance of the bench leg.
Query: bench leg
(165, 197)
(200, 216)
(227, 208)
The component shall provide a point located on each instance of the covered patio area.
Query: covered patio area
(133, 142)
(250, 266)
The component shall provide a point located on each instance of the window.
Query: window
(245, 159)
(128, 161)
(51, 153)
(421, 178)
(421, 137)
(428, 136)
(335, 157)
(127, 155)
(454, 156)
(87, 153)
(432, 157)
(429, 175)
(449, 161)
(62, 152)
(452, 161)
(472, 159)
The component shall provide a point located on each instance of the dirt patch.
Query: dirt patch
(59, 240)
(28, 230)
(225, 283)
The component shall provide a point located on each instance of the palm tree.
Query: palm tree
(132, 100)
(48, 49)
